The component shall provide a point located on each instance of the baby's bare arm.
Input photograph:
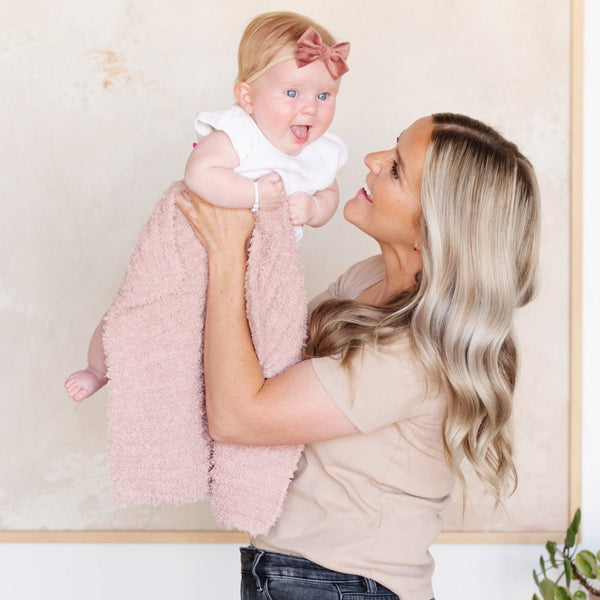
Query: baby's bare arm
(210, 174)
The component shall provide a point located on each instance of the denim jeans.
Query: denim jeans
(273, 576)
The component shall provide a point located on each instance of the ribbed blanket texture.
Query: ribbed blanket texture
(160, 451)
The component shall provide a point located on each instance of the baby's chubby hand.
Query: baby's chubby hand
(301, 207)
(271, 192)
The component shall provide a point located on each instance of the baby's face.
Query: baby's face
(293, 107)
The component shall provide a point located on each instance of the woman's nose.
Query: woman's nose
(374, 160)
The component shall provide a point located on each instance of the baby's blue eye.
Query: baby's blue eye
(292, 93)
(323, 96)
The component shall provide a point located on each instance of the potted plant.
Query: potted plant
(567, 573)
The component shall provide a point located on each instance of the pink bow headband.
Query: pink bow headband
(310, 47)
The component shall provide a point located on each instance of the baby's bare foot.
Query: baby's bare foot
(83, 384)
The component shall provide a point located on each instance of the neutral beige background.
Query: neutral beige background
(96, 109)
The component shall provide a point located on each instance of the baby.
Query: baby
(273, 146)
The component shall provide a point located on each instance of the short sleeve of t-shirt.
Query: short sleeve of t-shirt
(381, 387)
(355, 280)
(241, 130)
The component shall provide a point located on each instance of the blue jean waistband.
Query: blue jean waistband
(262, 563)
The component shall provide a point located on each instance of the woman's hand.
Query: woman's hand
(221, 230)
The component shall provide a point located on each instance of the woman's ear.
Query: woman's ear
(243, 94)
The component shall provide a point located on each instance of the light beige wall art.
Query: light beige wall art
(97, 101)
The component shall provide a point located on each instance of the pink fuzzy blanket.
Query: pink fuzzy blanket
(160, 451)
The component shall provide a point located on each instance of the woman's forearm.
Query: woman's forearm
(242, 407)
(233, 375)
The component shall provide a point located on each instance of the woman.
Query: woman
(410, 365)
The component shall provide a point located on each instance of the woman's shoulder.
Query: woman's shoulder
(354, 280)
(382, 384)
(360, 276)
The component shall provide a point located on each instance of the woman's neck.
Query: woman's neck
(401, 269)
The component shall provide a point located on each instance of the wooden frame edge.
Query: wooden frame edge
(576, 257)
(124, 537)
(236, 537)
(499, 537)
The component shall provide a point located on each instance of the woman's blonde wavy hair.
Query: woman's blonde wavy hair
(267, 34)
(480, 230)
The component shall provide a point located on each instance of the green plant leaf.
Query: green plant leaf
(570, 539)
(548, 588)
(579, 595)
(568, 571)
(585, 566)
(535, 597)
(543, 566)
(536, 579)
(576, 521)
(551, 548)
(590, 556)
(562, 593)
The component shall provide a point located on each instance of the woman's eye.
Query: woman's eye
(394, 169)
(291, 93)
(323, 96)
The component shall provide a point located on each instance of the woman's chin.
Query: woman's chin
(352, 210)
(347, 212)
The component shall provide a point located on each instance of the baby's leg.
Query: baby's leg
(82, 384)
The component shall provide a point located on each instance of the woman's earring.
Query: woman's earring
(416, 247)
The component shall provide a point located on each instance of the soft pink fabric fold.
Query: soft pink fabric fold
(160, 451)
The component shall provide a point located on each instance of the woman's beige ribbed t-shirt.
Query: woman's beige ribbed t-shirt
(369, 503)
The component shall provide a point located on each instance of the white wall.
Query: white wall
(184, 572)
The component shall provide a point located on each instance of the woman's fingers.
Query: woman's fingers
(218, 228)
(185, 205)
(195, 212)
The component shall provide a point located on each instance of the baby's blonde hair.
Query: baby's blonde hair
(269, 33)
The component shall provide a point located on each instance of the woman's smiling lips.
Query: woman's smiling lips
(366, 192)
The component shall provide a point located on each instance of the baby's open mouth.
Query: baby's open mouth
(300, 132)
